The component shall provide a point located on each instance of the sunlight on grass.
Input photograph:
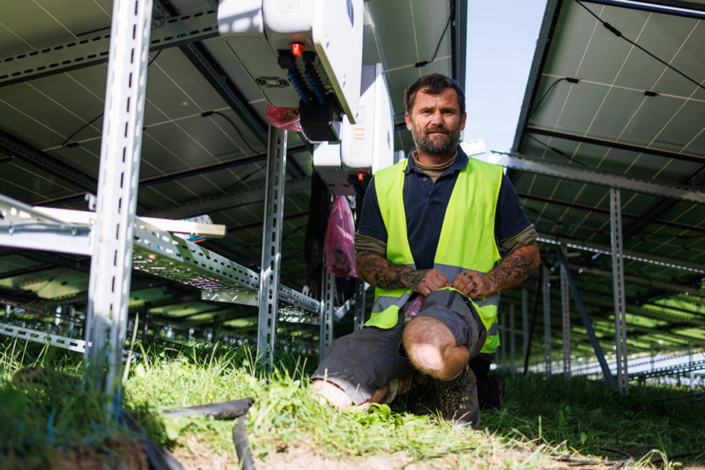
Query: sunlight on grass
(544, 423)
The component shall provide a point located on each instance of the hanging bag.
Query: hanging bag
(340, 240)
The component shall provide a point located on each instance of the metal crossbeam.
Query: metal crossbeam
(166, 33)
(668, 286)
(23, 227)
(212, 72)
(600, 178)
(614, 144)
(627, 254)
(228, 201)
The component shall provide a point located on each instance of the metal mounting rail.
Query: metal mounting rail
(670, 370)
(166, 33)
(23, 227)
(161, 254)
(64, 342)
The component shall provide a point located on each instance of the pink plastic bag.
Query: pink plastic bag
(340, 240)
(284, 118)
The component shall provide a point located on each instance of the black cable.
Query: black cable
(535, 107)
(209, 113)
(619, 34)
(617, 451)
(558, 151)
(438, 46)
(66, 143)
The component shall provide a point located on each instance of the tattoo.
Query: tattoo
(513, 269)
(384, 274)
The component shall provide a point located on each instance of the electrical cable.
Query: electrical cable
(210, 113)
(66, 143)
(619, 34)
(558, 151)
(438, 46)
(535, 107)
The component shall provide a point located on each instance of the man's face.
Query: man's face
(435, 122)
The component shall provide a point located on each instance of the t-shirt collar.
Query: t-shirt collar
(461, 161)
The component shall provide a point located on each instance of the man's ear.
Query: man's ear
(407, 118)
(462, 121)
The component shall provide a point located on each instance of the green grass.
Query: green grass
(543, 421)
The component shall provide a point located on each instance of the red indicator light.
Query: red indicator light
(297, 49)
(152, 256)
(360, 176)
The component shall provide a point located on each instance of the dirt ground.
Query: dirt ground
(308, 458)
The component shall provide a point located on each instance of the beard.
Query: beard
(437, 146)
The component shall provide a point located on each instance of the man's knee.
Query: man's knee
(328, 392)
(430, 345)
(331, 393)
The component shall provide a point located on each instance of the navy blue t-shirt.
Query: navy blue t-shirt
(425, 203)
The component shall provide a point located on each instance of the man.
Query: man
(429, 223)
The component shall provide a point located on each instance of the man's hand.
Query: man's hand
(428, 280)
(382, 273)
(512, 270)
(472, 283)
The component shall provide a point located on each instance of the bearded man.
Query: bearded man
(427, 241)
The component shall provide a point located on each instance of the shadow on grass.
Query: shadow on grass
(585, 416)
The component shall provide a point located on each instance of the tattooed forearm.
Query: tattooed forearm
(380, 272)
(514, 268)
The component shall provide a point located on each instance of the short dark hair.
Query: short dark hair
(433, 84)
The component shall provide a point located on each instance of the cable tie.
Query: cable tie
(612, 29)
(206, 113)
(572, 79)
(421, 64)
(650, 93)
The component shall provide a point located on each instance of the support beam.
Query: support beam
(586, 320)
(360, 294)
(327, 313)
(227, 201)
(20, 149)
(620, 314)
(627, 254)
(616, 145)
(565, 303)
(121, 146)
(597, 177)
(547, 318)
(271, 245)
(512, 340)
(525, 321)
(166, 33)
(600, 210)
(666, 286)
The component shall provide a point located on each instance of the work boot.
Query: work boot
(457, 399)
(494, 393)
(421, 397)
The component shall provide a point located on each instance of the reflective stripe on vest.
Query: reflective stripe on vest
(466, 241)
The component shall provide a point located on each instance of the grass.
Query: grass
(544, 423)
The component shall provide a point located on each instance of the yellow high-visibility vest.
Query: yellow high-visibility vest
(467, 238)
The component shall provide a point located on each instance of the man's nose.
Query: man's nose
(437, 117)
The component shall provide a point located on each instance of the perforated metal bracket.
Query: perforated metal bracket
(23, 227)
(159, 253)
(166, 33)
(601, 178)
